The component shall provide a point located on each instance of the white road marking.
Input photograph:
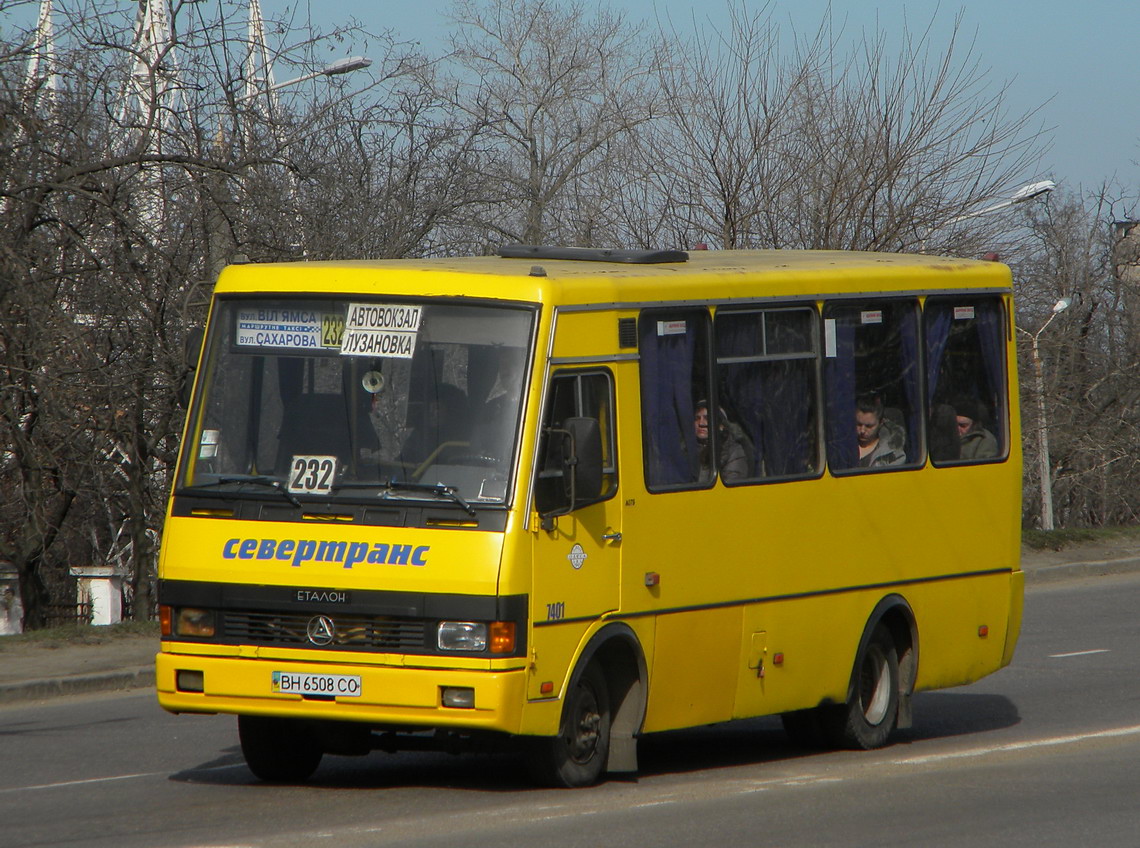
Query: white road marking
(568, 814)
(83, 782)
(1018, 746)
(1079, 653)
(110, 779)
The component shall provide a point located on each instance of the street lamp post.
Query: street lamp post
(1019, 195)
(336, 68)
(1042, 422)
(332, 69)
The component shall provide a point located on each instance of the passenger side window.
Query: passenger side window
(965, 379)
(674, 359)
(576, 394)
(768, 377)
(872, 384)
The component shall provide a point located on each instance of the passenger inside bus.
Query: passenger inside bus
(882, 442)
(976, 442)
(732, 449)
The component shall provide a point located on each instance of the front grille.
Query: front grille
(362, 632)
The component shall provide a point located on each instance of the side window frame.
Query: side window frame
(772, 447)
(672, 341)
(983, 395)
(848, 383)
(576, 378)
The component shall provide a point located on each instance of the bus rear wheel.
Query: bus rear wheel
(577, 755)
(279, 750)
(868, 718)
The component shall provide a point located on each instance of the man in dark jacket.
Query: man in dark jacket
(881, 442)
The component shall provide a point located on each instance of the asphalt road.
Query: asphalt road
(1043, 753)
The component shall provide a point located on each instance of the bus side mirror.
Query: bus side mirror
(191, 351)
(576, 450)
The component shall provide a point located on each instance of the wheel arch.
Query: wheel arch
(894, 614)
(618, 654)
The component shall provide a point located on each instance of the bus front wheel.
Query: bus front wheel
(868, 718)
(577, 755)
(279, 750)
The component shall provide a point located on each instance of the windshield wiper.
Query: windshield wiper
(441, 489)
(449, 492)
(254, 479)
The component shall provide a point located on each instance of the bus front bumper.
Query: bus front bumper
(380, 695)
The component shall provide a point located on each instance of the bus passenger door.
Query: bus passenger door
(577, 551)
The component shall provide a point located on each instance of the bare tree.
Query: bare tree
(389, 177)
(1091, 353)
(549, 87)
(814, 146)
(117, 206)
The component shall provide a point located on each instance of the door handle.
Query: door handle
(612, 537)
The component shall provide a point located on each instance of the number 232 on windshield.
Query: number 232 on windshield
(312, 474)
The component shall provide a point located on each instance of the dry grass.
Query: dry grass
(77, 634)
(1067, 537)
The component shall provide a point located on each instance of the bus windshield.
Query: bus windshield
(356, 399)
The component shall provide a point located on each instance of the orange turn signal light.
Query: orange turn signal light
(502, 635)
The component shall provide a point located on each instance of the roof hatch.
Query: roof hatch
(592, 254)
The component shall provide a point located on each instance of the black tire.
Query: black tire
(867, 720)
(577, 755)
(279, 750)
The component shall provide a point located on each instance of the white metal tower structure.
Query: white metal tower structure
(155, 78)
(152, 107)
(259, 82)
(261, 95)
(41, 86)
(41, 79)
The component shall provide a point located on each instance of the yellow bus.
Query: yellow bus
(566, 497)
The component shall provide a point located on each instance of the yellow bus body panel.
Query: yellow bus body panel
(211, 549)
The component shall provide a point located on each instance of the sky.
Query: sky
(1076, 62)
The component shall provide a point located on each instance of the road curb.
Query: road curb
(1071, 570)
(79, 684)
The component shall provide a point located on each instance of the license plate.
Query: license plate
(326, 685)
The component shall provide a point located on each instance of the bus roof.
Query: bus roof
(706, 274)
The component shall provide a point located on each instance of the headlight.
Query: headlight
(462, 636)
(194, 622)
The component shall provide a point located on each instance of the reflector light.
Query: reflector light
(983, 631)
(546, 687)
(188, 680)
(778, 659)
